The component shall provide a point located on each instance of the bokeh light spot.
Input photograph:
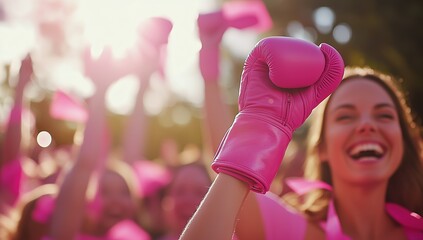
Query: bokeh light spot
(342, 33)
(44, 139)
(324, 19)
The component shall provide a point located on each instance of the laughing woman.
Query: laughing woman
(365, 180)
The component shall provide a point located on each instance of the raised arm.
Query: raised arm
(71, 200)
(11, 149)
(282, 81)
(217, 114)
(251, 15)
(153, 38)
(11, 175)
(217, 213)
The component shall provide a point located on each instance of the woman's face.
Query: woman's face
(363, 138)
(116, 201)
(188, 188)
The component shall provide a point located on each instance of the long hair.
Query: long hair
(405, 186)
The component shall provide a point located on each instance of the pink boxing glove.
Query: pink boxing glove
(283, 80)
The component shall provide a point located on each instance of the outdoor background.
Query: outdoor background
(386, 35)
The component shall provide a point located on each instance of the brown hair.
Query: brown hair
(405, 187)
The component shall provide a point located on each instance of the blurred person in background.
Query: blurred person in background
(113, 203)
(182, 196)
(17, 143)
(152, 175)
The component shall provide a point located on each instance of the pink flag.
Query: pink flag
(65, 107)
(248, 14)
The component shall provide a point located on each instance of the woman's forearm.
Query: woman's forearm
(216, 216)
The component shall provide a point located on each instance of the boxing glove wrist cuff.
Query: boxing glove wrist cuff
(252, 150)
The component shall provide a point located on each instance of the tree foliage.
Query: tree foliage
(386, 35)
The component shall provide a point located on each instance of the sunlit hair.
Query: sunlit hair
(405, 187)
(125, 171)
(19, 222)
(122, 169)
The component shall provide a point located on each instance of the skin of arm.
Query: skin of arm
(143, 63)
(12, 149)
(216, 216)
(13, 135)
(71, 200)
(217, 114)
(134, 136)
(250, 225)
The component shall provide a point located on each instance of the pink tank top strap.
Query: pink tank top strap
(411, 221)
(332, 226)
(280, 221)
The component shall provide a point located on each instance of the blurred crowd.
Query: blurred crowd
(92, 188)
(100, 183)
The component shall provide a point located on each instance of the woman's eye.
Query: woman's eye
(343, 117)
(386, 116)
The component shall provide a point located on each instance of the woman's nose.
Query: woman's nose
(366, 125)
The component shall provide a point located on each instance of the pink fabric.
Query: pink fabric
(251, 14)
(151, 177)
(411, 222)
(124, 230)
(80, 237)
(280, 222)
(213, 25)
(407, 218)
(43, 209)
(302, 186)
(65, 107)
(332, 225)
(11, 177)
(127, 230)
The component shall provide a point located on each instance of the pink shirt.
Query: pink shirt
(281, 222)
